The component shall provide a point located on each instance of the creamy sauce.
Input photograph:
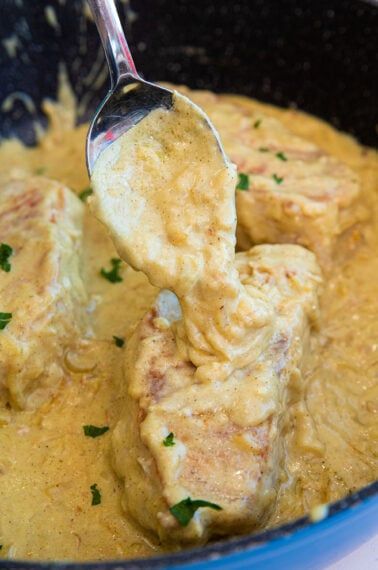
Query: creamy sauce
(50, 476)
(167, 195)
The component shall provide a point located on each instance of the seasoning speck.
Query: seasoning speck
(84, 195)
(184, 510)
(96, 495)
(243, 181)
(113, 274)
(282, 156)
(5, 253)
(169, 440)
(277, 179)
(5, 319)
(94, 431)
(118, 341)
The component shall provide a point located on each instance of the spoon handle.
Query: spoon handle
(113, 39)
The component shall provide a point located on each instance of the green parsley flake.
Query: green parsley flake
(256, 124)
(281, 156)
(94, 431)
(113, 275)
(96, 495)
(5, 319)
(277, 179)
(85, 194)
(184, 510)
(5, 253)
(168, 441)
(118, 341)
(1, 547)
(263, 149)
(41, 170)
(243, 181)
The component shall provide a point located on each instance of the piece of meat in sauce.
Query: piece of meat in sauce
(296, 193)
(41, 220)
(228, 445)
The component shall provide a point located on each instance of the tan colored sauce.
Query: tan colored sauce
(167, 196)
(46, 482)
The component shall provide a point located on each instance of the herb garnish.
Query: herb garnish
(113, 275)
(184, 510)
(41, 170)
(281, 156)
(94, 431)
(263, 149)
(5, 253)
(256, 124)
(1, 546)
(5, 319)
(277, 179)
(85, 194)
(96, 495)
(118, 341)
(168, 441)
(243, 181)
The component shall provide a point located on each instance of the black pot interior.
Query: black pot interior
(319, 56)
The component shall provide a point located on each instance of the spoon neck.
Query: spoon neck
(117, 51)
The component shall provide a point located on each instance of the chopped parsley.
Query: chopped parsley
(256, 124)
(281, 156)
(85, 194)
(118, 341)
(263, 149)
(243, 181)
(184, 510)
(5, 319)
(5, 253)
(113, 275)
(1, 546)
(94, 431)
(41, 170)
(168, 441)
(96, 495)
(277, 179)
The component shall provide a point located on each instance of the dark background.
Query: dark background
(318, 55)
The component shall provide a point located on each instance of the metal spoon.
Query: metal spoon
(130, 98)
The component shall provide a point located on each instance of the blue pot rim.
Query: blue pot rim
(252, 542)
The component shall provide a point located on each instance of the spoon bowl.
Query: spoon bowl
(130, 98)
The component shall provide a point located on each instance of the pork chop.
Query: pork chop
(181, 440)
(41, 291)
(294, 191)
